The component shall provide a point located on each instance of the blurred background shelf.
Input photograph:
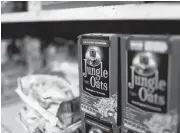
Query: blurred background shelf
(139, 11)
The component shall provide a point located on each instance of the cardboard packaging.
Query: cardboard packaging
(124, 130)
(98, 66)
(150, 77)
(93, 125)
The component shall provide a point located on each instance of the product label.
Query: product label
(95, 64)
(96, 99)
(147, 80)
(96, 127)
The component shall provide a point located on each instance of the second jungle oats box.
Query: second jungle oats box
(150, 71)
(98, 65)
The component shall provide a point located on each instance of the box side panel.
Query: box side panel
(174, 89)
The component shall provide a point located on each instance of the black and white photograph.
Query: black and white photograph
(90, 66)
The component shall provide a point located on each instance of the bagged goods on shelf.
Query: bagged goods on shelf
(68, 71)
(62, 58)
(45, 94)
(46, 86)
(41, 84)
(52, 114)
(71, 73)
(30, 119)
(35, 105)
(70, 110)
(34, 122)
(46, 90)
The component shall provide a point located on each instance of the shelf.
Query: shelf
(158, 11)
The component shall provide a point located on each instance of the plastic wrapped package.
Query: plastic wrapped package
(53, 92)
(30, 120)
(33, 122)
(43, 86)
(71, 74)
(45, 94)
(68, 71)
(69, 112)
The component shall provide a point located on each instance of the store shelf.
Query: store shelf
(18, 17)
(160, 11)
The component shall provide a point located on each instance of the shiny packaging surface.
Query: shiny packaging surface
(69, 111)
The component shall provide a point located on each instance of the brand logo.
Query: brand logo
(95, 130)
(93, 57)
(145, 64)
(94, 71)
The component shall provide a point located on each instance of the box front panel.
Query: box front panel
(145, 90)
(147, 81)
(96, 97)
(95, 64)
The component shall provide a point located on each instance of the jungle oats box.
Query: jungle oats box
(98, 66)
(150, 71)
